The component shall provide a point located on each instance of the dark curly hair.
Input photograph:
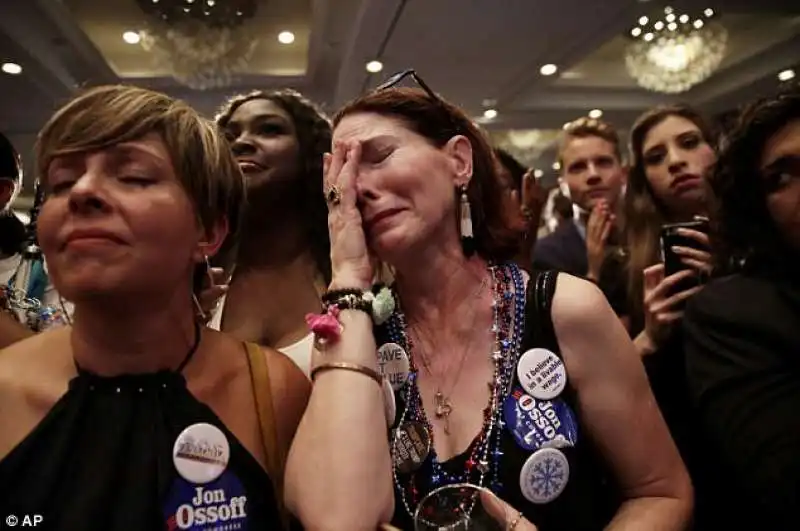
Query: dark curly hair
(439, 121)
(743, 228)
(512, 165)
(314, 137)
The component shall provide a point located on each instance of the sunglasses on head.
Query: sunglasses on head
(395, 79)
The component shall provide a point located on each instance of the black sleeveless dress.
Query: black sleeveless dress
(589, 500)
(102, 459)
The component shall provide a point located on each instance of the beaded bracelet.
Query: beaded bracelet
(379, 306)
(329, 297)
(327, 327)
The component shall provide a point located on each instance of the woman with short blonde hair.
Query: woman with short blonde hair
(137, 416)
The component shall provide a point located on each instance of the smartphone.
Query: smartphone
(670, 237)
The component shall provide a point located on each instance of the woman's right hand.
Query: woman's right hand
(662, 306)
(351, 263)
(504, 514)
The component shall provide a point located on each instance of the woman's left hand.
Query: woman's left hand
(504, 514)
(697, 259)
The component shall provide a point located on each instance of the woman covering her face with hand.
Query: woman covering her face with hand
(137, 416)
(470, 360)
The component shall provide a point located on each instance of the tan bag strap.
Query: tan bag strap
(273, 452)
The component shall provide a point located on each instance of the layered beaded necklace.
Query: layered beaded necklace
(508, 307)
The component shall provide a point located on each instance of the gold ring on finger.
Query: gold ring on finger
(333, 196)
(515, 522)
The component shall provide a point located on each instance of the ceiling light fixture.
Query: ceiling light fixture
(286, 37)
(786, 75)
(678, 54)
(556, 165)
(203, 44)
(374, 67)
(131, 37)
(548, 69)
(490, 114)
(595, 113)
(538, 174)
(709, 12)
(11, 68)
(636, 32)
(643, 21)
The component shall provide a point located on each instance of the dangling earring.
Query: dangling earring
(200, 312)
(465, 225)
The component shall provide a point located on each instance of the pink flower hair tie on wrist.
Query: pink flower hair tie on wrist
(326, 326)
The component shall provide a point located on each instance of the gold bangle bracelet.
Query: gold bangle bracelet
(346, 366)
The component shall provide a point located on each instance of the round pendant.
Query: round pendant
(544, 475)
(541, 373)
(201, 453)
(393, 364)
(411, 446)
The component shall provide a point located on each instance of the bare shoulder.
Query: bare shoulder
(290, 387)
(589, 332)
(35, 362)
(578, 303)
(34, 375)
(290, 392)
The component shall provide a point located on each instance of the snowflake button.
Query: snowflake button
(544, 475)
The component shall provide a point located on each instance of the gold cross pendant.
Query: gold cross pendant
(443, 410)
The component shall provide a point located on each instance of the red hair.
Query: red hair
(439, 121)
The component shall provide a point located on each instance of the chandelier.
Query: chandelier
(677, 53)
(203, 43)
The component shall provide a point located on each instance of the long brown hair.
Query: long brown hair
(644, 214)
(438, 122)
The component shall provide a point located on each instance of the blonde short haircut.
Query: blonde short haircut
(203, 161)
(590, 127)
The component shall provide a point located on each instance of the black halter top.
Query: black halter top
(102, 459)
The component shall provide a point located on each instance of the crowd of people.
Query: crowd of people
(274, 319)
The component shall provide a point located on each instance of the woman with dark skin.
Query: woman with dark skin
(282, 261)
(526, 201)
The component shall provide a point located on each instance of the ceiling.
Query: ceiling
(476, 53)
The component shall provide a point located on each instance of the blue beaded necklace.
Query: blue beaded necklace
(508, 307)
